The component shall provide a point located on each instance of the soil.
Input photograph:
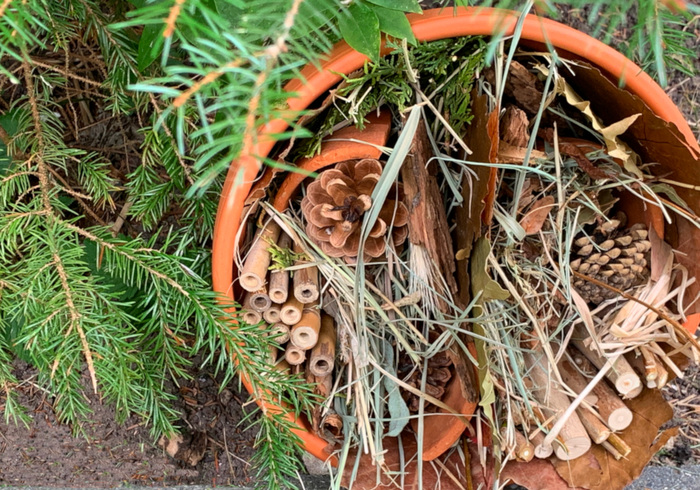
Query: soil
(106, 454)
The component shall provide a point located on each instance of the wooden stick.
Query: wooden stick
(621, 446)
(323, 353)
(598, 431)
(304, 334)
(250, 316)
(613, 410)
(279, 280)
(290, 313)
(280, 333)
(258, 261)
(294, 355)
(260, 301)
(620, 374)
(305, 281)
(573, 433)
(541, 451)
(272, 314)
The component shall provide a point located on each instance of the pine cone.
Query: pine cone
(613, 256)
(439, 375)
(334, 206)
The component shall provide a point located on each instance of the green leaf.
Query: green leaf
(360, 28)
(150, 45)
(398, 410)
(400, 5)
(481, 281)
(671, 193)
(394, 23)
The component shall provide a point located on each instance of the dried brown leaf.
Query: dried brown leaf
(533, 221)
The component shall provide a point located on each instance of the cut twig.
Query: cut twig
(279, 279)
(260, 301)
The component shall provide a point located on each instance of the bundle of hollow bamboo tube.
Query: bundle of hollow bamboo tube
(287, 304)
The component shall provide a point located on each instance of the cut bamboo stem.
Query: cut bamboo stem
(272, 314)
(279, 280)
(305, 281)
(260, 301)
(323, 353)
(294, 355)
(613, 410)
(620, 446)
(290, 313)
(542, 451)
(282, 366)
(280, 333)
(596, 429)
(255, 268)
(250, 316)
(614, 452)
(305, 333)
(573, 433)
(621, 374)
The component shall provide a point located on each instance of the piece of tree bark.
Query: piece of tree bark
(514, 124)
(427, 223)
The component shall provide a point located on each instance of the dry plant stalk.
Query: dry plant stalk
(323, 354)
(304, 334)
(250, 315)
(260, 301)
(272, 314)
(278, 286)
(294, 355)
(254, 272)
(290, 313)
(305, 281)
(280, 333)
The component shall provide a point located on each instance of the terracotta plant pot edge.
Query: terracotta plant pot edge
(431, 25)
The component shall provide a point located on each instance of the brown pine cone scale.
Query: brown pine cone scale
(335, 204)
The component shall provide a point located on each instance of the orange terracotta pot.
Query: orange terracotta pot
(430, 26)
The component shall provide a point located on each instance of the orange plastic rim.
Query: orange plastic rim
(430, 26)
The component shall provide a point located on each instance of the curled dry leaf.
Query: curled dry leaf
(534, 219)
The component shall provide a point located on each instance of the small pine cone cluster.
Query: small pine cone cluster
(613, 256)
(335, 204)
(439, 374)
